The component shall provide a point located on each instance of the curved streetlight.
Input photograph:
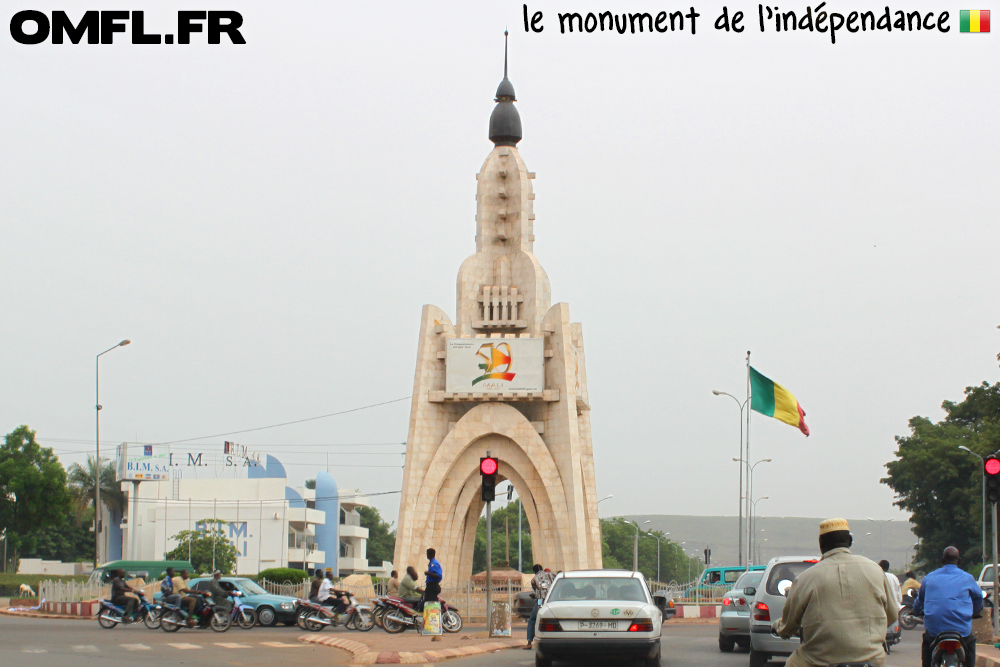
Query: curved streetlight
(982, 528)
(658, 539)
(750, 497)
(741, 405)
(881, 553)
(97, 451)
(607, 497)
(635, 548)
(753, 521)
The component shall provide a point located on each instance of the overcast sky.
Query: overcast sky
(264, 222)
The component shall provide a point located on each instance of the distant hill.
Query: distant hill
(785, 536)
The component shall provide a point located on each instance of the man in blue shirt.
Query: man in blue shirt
(948, 599)
(433, 576)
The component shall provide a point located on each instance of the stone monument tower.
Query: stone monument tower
(507, 377)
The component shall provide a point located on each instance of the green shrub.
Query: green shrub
(282, 574)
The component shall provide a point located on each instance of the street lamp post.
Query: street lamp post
(743, 404)
(97, 453)
(881, 552)
(750, 498)
(658, 538)
(753, 523)
(982, 528)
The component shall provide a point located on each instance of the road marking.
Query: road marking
(34, 650)
(86, 647)
(184, 646)
(282, 645)
(232, 645)
(135, 647)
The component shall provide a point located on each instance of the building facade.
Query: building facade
(508, 377)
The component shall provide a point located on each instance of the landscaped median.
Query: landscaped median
(382, 648)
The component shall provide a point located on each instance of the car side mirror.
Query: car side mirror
(749, 591)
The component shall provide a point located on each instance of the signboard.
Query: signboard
(500, 619)
(495, 365)
(432, 618)
(143, 463)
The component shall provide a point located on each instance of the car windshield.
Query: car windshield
(250, 587)
(987, 574)
(598, 588)
(748, 579)
(789, 571)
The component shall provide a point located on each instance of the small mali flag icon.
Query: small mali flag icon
(975, 20)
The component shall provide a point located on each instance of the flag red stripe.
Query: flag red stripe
(984, 20)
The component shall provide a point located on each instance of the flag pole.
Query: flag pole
(746, 462)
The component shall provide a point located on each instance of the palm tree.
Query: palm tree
(82, 481)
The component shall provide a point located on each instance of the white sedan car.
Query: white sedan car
(598, 614)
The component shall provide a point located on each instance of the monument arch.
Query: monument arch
(508, 377)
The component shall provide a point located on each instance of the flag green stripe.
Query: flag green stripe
(762, 389)
(964, 20)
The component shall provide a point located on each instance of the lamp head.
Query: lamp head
(717, 392)
(124, 343)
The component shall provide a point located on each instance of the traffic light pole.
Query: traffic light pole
(996, 575)
(489, 566)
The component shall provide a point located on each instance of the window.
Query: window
(749, 579)
(783, 571)
(201, 586)
(616, 589)
(732, 575)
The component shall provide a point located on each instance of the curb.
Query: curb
(32, 614)
(362, 654)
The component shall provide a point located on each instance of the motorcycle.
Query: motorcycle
(359, 617)
(947, 650)
(111, 615)
(205, 615)
(243, 615)
(400, 615)
(907, 619)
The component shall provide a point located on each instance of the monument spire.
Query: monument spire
(505, 121)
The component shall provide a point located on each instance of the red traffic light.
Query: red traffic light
(992, 466)
(488, 466)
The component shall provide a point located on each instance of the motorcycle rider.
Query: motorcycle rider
(408, 589)
(910, 583)
(893, 582)
(948, 599)
(331, 597)
(842, 605)
(118, 598)
(392, 588)
(167, 594)
(315, 584)
(220, 596)
(190, 597)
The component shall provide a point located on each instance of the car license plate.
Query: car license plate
(598, 625)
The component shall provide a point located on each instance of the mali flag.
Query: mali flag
(974, 20)
(771, 399)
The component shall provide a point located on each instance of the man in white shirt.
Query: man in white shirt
(893, 582)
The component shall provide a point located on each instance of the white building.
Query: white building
(270, 524)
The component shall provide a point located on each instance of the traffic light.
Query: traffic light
(991, 468)
(488, 467)
(708, 555)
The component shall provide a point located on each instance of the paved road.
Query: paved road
(43, 642)
(692, 646)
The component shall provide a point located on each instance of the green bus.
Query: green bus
(147, 570)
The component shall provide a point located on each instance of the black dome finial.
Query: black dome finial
(505, 122)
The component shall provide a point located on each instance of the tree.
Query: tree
(71, 542)
(504, 543)
(940, 484)
(33, 493)
(310, 484)
(381, 540)
(618, 545)
(208, 548)
(82, 480)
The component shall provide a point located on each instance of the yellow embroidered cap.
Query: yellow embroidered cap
(830, 525)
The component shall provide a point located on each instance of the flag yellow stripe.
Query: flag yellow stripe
(974, 20)
(786, 408)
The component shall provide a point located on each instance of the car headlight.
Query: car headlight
(287, 606)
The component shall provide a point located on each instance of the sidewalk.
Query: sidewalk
(379, 647)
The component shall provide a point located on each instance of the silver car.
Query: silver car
(769, 602)
(734, 621)
(595, 614)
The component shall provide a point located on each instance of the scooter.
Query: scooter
(947, 650)
(358, 616)
(907, 619)
(111, 615)
(243, 614)
(205, 615)
(399, 615)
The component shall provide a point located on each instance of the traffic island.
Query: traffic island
(409, 648)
